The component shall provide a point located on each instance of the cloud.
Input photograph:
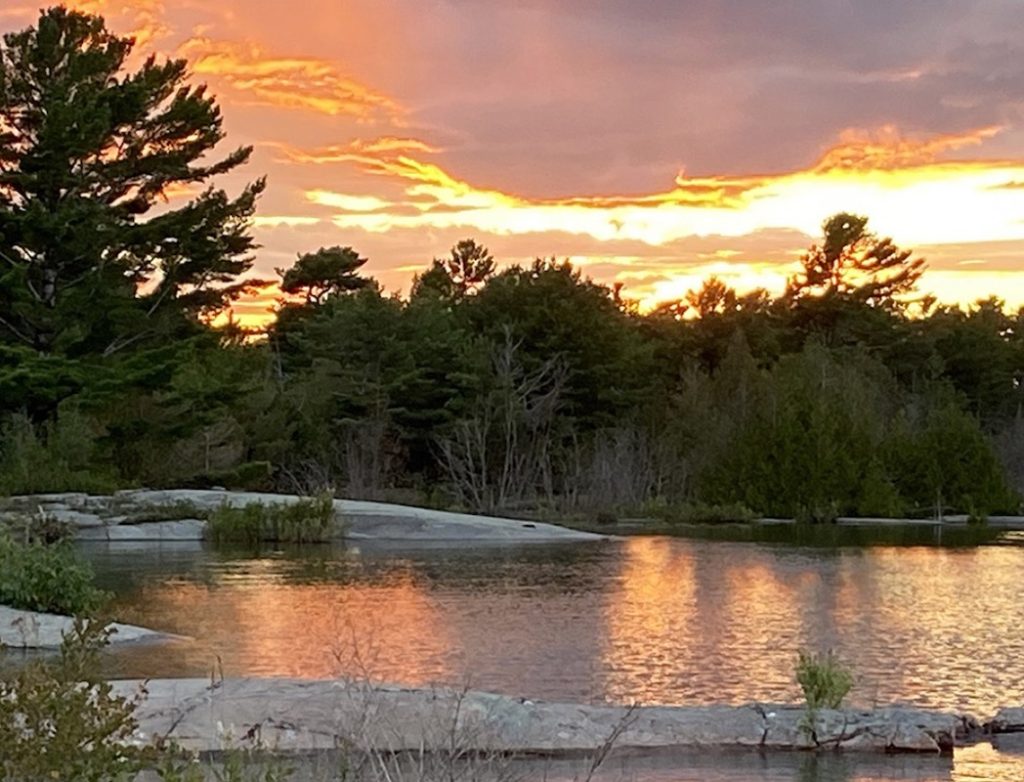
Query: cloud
(887, 148)
(907, 185)
(284, 221)
(258, 77)
(144, 20)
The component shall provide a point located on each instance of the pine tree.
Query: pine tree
(853, 263)
(93, 261)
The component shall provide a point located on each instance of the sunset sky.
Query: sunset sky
(653, 142)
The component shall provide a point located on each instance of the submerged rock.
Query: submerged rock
(296, 715)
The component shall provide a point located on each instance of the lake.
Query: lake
(649, 619)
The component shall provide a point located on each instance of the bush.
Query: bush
(248, 476)
(59, 456)
(35, 576)
(825, 681)
(60, 720)
(306, 521)
(702, 513)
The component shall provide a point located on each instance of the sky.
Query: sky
(652, 142)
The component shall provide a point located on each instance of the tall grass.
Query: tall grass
(310, 520)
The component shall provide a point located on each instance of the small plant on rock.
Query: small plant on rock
(825, 681)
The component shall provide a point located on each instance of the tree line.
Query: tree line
(490, 387)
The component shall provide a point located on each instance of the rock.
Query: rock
(1007, 720)
(75, 518)
(157, 531)
(36, 630)
(298, 715)
(362, 520)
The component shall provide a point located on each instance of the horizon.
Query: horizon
(652, 146)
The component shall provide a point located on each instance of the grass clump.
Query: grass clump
(309, 520)
(36, 576)
(825, 680)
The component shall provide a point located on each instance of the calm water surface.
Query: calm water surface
(658, 620)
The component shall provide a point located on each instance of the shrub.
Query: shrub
(60, 720)
(59, 456)
(248, 476)
(702, 513)
(825, 681)
(306, 521)
(35, 576)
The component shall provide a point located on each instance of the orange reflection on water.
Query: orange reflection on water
(672, 613)
(259, 623)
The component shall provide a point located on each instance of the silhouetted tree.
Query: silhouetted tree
(854, 263)
(86, 151)
(327, 272)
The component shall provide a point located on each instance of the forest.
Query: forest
(491, 386)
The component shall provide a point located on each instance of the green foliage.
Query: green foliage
(944, 462)
(824, 680)
(234, 765)
(305, 521)
(81, 171)
(60, 455)
(37, 576)
(59, 719)
(701, 513)
(248, 476)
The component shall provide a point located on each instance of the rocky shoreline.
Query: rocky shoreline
(35, 630)
(176, 515)
(297, 715)
(290, 715)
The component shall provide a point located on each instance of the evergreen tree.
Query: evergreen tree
(853, 263)
(88, 266)
(327, 272)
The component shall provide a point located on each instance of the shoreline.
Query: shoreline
(35, 630)
(128, 516)
(296, 716)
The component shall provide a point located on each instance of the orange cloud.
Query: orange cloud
(886, 148)
(902, 183)
(357, 151)
(290, 82)
(141, 19)
(284, 221)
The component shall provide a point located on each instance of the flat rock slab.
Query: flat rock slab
(1007, 720)
(300, 715)
(156, 531)
(115, 518)
(35, 630)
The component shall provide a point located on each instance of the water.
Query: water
(656, 620)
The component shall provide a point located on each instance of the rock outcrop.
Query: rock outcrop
(174, 515)
(295, 715)
(35, 630)
(1007, 720)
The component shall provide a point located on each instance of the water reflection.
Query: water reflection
(659, 620)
